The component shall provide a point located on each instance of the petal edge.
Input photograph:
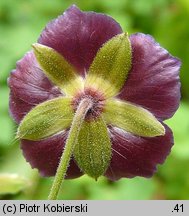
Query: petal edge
(153, 81)
(45, 155)
(78, 35)
(136, 156)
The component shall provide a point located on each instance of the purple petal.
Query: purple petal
(153, 81)
(45, 155)
(137, 156)
(18, 108)
(29, 86)
(78, 35)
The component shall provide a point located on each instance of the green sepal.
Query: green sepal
(46, 119)
(92, 151)
(132, 118)
(109, 70)
(57, 69)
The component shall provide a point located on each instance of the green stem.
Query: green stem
(78, 119)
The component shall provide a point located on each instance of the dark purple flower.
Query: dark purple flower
(149, 87)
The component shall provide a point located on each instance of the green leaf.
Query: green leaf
(46, 119)
(110, 67)
(93, 148)
(57, 69)
(12, 183)
(132, 118)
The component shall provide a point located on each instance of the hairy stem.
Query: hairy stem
(79, 117)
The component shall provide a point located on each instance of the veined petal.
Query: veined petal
(78, 35)
(132, 118)
(153, 81)
(18, 108)
(57, 69)
(45, 155)
(29, 86)
(110, 67)
(137, 156)
(93, 149)
(46, 119)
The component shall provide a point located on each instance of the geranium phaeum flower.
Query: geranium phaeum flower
(132, 86)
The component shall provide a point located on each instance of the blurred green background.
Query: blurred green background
(20, 25)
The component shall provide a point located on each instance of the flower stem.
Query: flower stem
(78, 119)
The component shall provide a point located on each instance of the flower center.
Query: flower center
(97, 100)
